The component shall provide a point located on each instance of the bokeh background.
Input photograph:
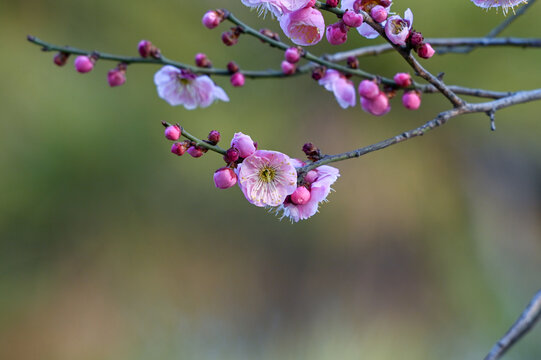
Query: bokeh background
(113, 248)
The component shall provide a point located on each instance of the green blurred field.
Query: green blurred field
(112, 248)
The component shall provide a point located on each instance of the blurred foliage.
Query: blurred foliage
(112, 248)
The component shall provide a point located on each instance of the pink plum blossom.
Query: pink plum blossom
(180, 87)
(365, 30)
(277, 7)
(505, 4)
(267, 177)
(304, 27)
(319, 188)
(244, 144)
(343, 89)
(337, 33)
(426, 51)
(398, 29)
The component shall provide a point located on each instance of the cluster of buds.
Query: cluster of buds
(174, 132)
(291, 58)
(147, 49)
(423, 49)
(237, 78)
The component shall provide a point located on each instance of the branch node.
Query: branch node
(491, 114)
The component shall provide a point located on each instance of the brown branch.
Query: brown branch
(524, 323)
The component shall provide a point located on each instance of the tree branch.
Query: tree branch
(524, 323)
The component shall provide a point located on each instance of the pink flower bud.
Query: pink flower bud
(237, 79)
(231, 155)
(352, 19)
(244, 144)
(385, 3)
(311, 176)
(173, 132)
(195, 151)
(61, 58)
(318, 73)
(379, 13)
(202, 60)
(84, 64)
(224, 178)
(288, 68)
(402, 79)
(378, 106)
(368, 89)
(232, 67)
(337, 33)
(416, 39)
(116, 76)
(214, 137)
(411, 100)
(292, 55)
(300, 196)
(212, 19)
(229, 38)
(426, 51)
(178, 149)
(145, 48)
(332, 3)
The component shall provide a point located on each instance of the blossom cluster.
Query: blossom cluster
(266, 178)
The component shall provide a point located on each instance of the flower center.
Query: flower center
(267, 174)
(399, 25)
(305, 32)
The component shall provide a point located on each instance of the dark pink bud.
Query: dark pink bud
(195, 151)
(426, 51)
(212, 19)
(312, 152)
(173, 132)
(385, 3)
(117, 76)
(352, 19)
(224, 178)
(61, 58)
(270, 34)
(416, 39)
(288, 68)
(214, 137)
(379, 13)
(145, 48)
(229, 38)
(402, 79)
(318, 73)
(332, 3)
(368, 89)
(202, 60)
(237, 79)
(178, 149)
(84, 64)
(337, 33)
(300, 196)
(353, 62)
(231, 155)
(232, 67)
(411, 100)
(292, 55)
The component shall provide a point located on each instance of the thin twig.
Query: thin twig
(525, 322)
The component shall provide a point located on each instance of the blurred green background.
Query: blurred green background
(113, 248)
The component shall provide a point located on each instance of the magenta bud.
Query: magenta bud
(318, 73)
(385, 3)
(61, 58)
(237, 79)
(377, 106)
(173, 132)
(292, 55)
(116, 76)
(178, 149)
(378, 13)
(195, 151)
(332, 3)
(300, 196)
(202, 60)
(84, 64)
(368, 89)
(231, 155)
(224, 178)
(337, 33)
(229, 38)
(145, 48)
(232, 67)
(353, 62)
(214, 137)
(416, 39)
(426, 51)
(402, 79)
(212, 19)
(411, 100)
(288, 68)
(352, 19)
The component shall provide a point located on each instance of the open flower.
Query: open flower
(398, 29)
(505, 4)
(365, 5)
(343, 89)
(180, 87)
(318, 182)
(277, 7)
(267, 177)
(304, 27)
